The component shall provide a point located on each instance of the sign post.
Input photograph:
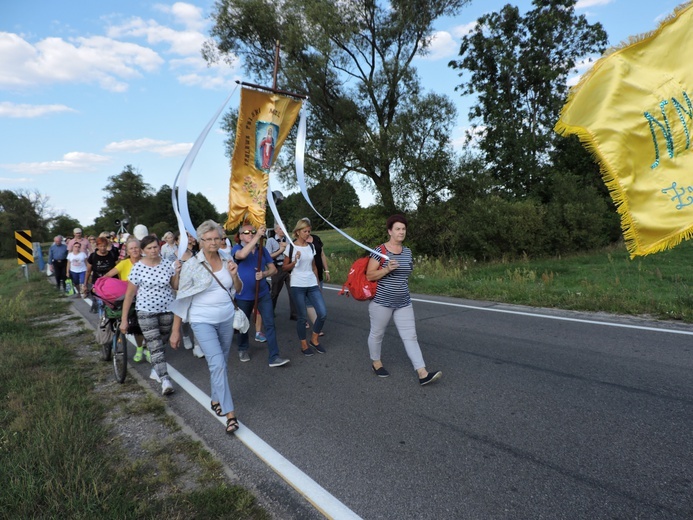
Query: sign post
(25, 250)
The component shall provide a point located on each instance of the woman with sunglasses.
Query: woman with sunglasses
(305, 287)
(246, 254)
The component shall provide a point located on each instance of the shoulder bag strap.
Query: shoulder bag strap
(220, 284)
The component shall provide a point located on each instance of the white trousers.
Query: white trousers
(406, 326)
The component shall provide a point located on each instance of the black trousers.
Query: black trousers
(60, 272)
(278, 281)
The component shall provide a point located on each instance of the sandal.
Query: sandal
(216, 408)
(231, 425)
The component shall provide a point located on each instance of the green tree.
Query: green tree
(127, 196)
(21, 210)
(425, 159)
(518, 68)
(353, 59)
(63, 225)
(160, 211)
(334, 200)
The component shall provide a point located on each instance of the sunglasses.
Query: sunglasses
(246, 232)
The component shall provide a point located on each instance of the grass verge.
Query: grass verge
(656, 286)
(67, 430)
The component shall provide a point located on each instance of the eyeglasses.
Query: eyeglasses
(246, 232)
(217, 239)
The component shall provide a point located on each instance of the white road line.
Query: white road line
(318, 496)
(548, 317)
(321, 499)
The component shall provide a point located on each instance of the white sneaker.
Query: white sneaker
(187, 343)
(153, 375)
(166, 387)
(197, 351)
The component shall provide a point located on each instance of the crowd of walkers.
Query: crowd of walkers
(192, 300)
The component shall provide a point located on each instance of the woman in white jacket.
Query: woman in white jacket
(208, 282)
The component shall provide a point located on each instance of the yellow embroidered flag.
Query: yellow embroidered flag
(264, 122)
(633, 111)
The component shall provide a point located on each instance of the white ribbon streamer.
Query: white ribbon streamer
(300, 177)
(179, 192)
(273, 208)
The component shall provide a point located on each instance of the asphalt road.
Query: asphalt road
(539, 414)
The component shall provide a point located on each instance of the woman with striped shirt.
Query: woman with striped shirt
(392, 300)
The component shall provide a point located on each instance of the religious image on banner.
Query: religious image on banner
(264, 122)
(633, 112)
(264, 136)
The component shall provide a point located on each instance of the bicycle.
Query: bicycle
(117, 349)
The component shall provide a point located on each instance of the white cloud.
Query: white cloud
(163, 148)
(71, 162)
(581, 67)
(463, 30)
(188, 15)
(8, 109)
(442, 45)
(96, 59)
(20, 180)
(183, 43)
(584, 4)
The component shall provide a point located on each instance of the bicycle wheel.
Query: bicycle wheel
(120, 356)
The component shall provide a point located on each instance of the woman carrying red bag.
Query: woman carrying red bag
(393, 301)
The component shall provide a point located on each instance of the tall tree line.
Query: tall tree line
(516, 189)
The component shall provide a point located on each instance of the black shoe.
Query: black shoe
(380, 372)
(432, 376)
(293, 318)
(317, 347)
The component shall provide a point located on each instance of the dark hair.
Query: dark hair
(396, 218)
(149, 239)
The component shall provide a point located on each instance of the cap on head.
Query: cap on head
(77, 230)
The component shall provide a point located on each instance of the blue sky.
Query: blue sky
(89, 87)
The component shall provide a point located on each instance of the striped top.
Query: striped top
(393, 288)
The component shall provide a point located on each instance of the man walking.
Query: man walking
(80, 239)
(57, 259)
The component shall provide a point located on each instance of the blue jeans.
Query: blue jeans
(266, 310)
(314, 296)
(215, 341)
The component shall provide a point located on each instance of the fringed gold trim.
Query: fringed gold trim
(610, 178)
(231, 225)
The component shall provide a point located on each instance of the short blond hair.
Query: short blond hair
(301, 224)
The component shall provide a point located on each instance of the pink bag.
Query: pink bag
(110, 290)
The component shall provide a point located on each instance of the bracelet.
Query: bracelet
(325, 271)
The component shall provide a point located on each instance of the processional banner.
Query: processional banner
(264, 121)
(633, 111)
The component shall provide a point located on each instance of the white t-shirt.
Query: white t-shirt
(302, 274)
(213, 305)
(78, 262)
(154, 291)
